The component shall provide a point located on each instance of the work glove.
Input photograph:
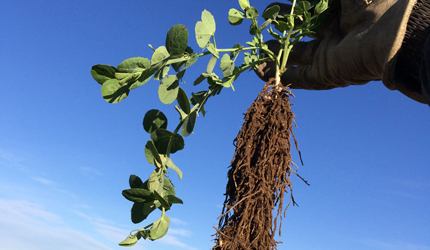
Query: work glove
(357, 45)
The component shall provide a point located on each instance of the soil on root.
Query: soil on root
(259, 174)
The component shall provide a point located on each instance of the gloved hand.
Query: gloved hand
(358, 45)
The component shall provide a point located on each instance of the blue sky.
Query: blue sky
(66, 154)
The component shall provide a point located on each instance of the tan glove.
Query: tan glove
(359, 46)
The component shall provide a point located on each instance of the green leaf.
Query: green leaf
(235, 17)
(236, 52)
(133, 70)
(189, 123)
(302, 7)
(171, 199)
(205, 29)
(171, 165)
(213, 50)
(162, 137)
(251, 13)
(134, 65)
(191, 61)
(113, 92)
(244, 4)
(135, 181)
(168, 89)
(155, 182)
(102, 73)
(211, 65)
(227, 65)
(177, 40)
(161, 73)
(197, 98)
(138, 195)
(153, 120)
(200, 79)
(282, 26)
(159, 59)
(162, 201)
(272, 12)
(183, 101)
(321, 6)
(152, 154)
(140, 210)
(159, 228)
(130, 241)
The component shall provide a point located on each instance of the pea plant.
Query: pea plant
(158, 192)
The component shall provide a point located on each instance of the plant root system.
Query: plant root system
(259, 174)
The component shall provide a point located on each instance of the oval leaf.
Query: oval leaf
(211, 65)
(177, 40)
(162, 137)
(251, 13)
(159, 228)
(134, 64)
(135, 181)
(189, 123)
(205, 29)
(153, 120)
(138, 195)
(152, 153)
(183, 101)
(168, 89)
(235, 17)
(102, 73)
(113, 92)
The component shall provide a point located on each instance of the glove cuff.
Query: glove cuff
(403, 71)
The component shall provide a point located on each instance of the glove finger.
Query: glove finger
(306, 77)
(266, 70)
(303, 53)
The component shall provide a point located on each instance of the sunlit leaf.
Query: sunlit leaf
(171, 165)
(130, 241)
(162, 72)
(133, 65)
(168, 89)
(102, 73)
(211, 65)
(160, 227)
(227, 65)
(113, 92)
(191, 61)
(235, 17)
(158, 60)
(251, 13)
(214, 51)
(205, 29)
(244, 4)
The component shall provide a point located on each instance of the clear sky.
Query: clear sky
(66, 154)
